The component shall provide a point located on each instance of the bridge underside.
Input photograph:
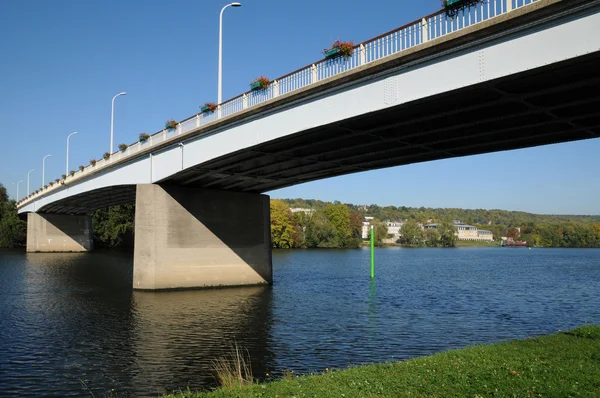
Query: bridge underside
(548, 105)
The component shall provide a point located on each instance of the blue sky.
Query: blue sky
(64, 60)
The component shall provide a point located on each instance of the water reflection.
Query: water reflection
(179, 334)
(68, 319)
(72, 324)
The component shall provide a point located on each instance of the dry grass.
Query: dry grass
(234, 368)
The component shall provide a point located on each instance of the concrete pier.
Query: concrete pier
(192, 238)
(59, 233)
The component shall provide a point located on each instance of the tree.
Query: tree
(432, 237)
(356, 223)
(412, 234)
(448, 234)
(380, 230)
(513, 233)
(338, 216)
(320, 232)
(114, 226)
(282, 225)
(13, 230)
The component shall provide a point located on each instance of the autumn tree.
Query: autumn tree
(356, 223)
(338, 216)
(513, 233)
(282, 225)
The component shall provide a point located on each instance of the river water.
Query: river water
(70, 323)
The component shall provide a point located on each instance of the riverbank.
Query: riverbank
(558, 365)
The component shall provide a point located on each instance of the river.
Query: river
(70, 325)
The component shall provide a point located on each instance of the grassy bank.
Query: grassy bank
(565, 364)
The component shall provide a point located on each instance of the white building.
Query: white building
(393, 228)
(303, 210)
(469, 232)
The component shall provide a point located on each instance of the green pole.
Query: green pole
(372, 253)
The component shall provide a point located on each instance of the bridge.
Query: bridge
(502, 75)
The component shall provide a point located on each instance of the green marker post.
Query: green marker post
(372, 253)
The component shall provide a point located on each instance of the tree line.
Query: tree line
(13, 230)
(338, 225)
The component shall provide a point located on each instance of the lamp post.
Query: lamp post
(69, 136)
(44, 168)
(220, 79)
(112, 120)
(18, 189)
(29, 172)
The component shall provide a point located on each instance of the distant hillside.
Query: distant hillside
(477, 216)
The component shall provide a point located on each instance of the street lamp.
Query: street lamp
(29, 172)
(69, 136)
(18, 189)
(220, 80)
(112, 120)
(44, 168)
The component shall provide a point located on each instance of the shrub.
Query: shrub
(93, 162)
(122, 147)
(106, 155)
(144, 137)
(81, 167)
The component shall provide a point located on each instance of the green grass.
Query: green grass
(566, 364)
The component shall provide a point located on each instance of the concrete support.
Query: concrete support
(191, 238)
(59, 233)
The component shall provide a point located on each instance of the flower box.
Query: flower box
(57, 180)
(106, 155)
(81, 167)
(93, 162)
(332, 52)
(123, 147)
(453, 7)
(260, 84)
(208, 107)
(170, 124)
(72, 173)
(64, 176)
(144, 137)
(339, 49)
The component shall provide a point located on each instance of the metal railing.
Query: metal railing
(408, 36)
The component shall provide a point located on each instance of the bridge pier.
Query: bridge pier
(191, 238)
(59, 233)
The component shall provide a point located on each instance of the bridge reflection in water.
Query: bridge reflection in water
(101, 333)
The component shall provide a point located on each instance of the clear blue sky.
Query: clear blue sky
(63, 61)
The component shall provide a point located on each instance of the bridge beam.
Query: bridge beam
(189, 238)
(59, 233)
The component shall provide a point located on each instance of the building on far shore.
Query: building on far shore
(303, 210)
(468, 232)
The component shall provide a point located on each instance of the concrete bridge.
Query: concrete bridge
(506, 74)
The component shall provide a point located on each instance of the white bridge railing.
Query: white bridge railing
(398, 40)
